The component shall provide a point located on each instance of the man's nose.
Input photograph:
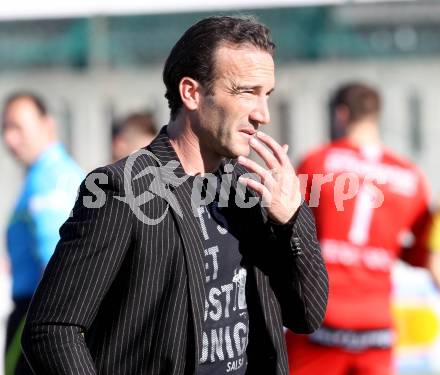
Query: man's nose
(10, 138)
(7, 137)
(261, 114)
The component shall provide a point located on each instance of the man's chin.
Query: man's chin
(239, 151)
(17, 157)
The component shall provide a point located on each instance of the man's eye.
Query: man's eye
(247, 91)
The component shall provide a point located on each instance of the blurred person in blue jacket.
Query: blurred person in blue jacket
(45, 201)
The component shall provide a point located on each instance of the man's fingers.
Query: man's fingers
(268, 157)
(278, 150)
(256, 186)
(265, 175)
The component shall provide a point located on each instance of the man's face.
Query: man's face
(244, 79)
(24, 130)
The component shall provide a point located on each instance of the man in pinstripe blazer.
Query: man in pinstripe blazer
(155, 276)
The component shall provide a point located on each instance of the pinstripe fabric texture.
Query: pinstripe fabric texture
(123, 297)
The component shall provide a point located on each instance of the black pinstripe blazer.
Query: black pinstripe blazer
(123, 297)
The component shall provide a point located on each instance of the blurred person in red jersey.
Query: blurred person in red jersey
(134, 132)
(368, 202)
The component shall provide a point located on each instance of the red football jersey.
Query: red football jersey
(366, 201)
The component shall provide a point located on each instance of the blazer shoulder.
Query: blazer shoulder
(126, 169)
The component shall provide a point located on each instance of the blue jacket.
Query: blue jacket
(47, 196)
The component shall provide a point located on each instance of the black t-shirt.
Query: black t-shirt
(226, 323)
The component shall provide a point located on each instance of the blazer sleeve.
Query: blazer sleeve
(93, 243)
(290, 256)
(297, 272)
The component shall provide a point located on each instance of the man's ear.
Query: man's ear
(342, 116)
(189, 90)
(50, 126)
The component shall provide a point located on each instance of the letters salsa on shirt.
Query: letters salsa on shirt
(225, 326)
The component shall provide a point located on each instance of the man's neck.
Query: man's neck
(364, 132)
(195, 157)
(40, 151)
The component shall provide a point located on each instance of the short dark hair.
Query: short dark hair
(193, 54)
(360, 99)
(36, 100)
(142, 123)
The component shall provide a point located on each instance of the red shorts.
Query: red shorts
(306, 358)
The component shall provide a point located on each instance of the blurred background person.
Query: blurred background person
(132, 133)
(44, 203)
(361, 232)
(5, 305)
(434, 247)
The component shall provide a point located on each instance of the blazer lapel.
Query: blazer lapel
(188, 226)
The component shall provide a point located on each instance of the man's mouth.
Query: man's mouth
(249, 131)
